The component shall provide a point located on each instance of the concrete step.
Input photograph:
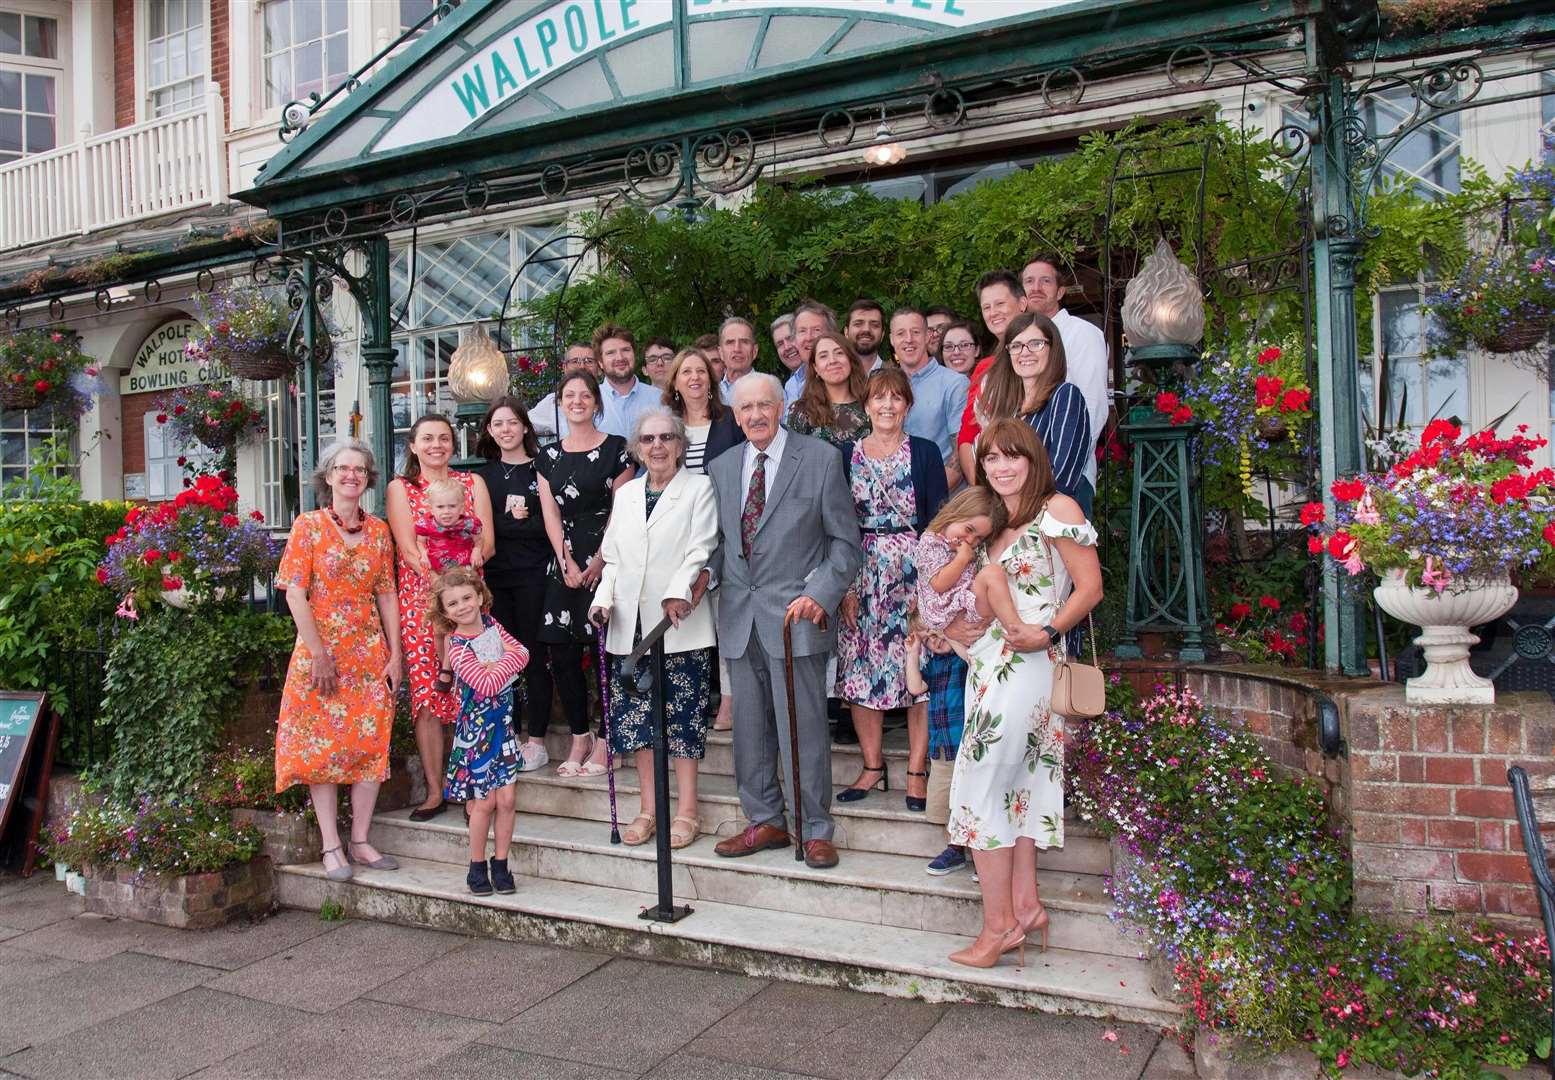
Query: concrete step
(814, 949)
(879, 823)
(866, 887)
(846, 761)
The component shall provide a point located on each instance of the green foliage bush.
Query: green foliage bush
(172, 680)
(246, 778)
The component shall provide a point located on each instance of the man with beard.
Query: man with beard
(866, 329)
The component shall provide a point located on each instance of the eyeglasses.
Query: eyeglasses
(963, 346)
(354, 470)
(1028, 348)
(666, 437)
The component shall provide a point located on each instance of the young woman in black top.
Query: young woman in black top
(516, 572)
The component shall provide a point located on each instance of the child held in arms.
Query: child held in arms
(484, 764)
(446, 537)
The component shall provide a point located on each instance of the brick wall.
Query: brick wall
(123, 63)
(1434, 828)
(221, 57)
(132, 410)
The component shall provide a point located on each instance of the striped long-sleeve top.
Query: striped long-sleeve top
(1064, 426)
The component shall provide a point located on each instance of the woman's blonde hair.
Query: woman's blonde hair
(454, 577)
(970, 503)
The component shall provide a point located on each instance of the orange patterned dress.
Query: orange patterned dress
(416, 636)
(342, 738)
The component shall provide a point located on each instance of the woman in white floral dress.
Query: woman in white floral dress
(1007, 791)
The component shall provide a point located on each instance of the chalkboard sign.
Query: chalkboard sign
(26, 759)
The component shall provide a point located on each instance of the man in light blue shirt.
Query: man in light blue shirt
(938, 394)
(788, 354)
(626, 396)
(737, 350)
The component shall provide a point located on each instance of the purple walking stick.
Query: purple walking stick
(604, 731)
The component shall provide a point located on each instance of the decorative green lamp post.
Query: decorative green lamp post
(1163, 317)
(477, 376)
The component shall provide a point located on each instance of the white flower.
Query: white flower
(593, 455)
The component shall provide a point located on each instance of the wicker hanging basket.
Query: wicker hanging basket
(276, 364)
(219, 439)
(1518, 337)
(20, 396)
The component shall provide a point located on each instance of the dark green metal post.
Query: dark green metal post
(378, 359)
(308, 452)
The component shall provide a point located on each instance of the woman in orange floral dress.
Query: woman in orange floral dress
(427, 453)
(338, 705)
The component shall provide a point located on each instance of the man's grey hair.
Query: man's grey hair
(658, 412)
(783, 320)
(754, 382)
(327, 460)
(731, 320)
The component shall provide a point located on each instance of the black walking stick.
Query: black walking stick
(650, 680)
(793, 732)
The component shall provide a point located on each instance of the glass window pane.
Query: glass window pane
(338, 59)
(156, 53)
(156, 19)
(177, 67)
(10, 33)
(278, 34)
(310, 68)
(1401, 324)
(10, 90)
(1447, 386)
(413, 11)
(42, 38)
(334, 16)
(10, 133)
(308, 20)
(194, 14)
(40, 134)
(40, 94)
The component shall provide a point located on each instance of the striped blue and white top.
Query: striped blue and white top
(1064, 426)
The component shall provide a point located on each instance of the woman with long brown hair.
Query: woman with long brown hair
(691, 393)
(1007, 792)
(428, 449)
(831, 407)
(1027, 381)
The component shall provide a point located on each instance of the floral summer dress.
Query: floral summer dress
(342, 738)
(485, 754)
(1009, 775)
(582, 484)
(872, 655)
(419, 642)
(849, 424)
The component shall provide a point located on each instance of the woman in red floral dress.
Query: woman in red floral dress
(427, 453)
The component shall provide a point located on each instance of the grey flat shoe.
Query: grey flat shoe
(343, 872)
(382, 862)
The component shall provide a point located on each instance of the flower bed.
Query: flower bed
(1234, 878)
(243, 781)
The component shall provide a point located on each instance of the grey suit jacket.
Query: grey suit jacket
(807, 544)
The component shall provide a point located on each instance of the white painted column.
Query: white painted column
(91, 66)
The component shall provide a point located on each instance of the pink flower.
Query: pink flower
(1353, 564)
(1366, 511)
(1436, 576)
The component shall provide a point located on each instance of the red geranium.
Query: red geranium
(1266, 390)
(1269, 603)
(1312, 514)
(1167, 402)
(41, 386)
(151, 556)
(1270, 355)
(1182, 415)
(1296, 401)
(1549, 534)
(1341, 544)
(172, 581)
(1314, 545)
(1240, 611)
(1348, 490)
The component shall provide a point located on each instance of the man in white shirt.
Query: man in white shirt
(866, 329)
(788, 355)
(1085, 347)
(737, 350)
(626, 396)
(546, 414)
(811, 320)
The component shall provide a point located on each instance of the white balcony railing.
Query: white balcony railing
(146, 170)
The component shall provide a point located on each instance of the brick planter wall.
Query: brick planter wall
(187, 902)
(290, 839)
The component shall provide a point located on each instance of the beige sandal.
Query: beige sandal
(680, 839)
(640, 831)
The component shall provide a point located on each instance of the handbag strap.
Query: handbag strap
(1090, 626)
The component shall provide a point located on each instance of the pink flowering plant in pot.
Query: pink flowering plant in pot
(46, 366)
(217, 415)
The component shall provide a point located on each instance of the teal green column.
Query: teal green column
(378, 359)
(1336, 253)
(308, 452)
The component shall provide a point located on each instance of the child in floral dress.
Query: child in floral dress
(484, 764)
(948, 585)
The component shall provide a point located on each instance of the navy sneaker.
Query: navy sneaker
(478, 879)
(948, 861)
(502, 877)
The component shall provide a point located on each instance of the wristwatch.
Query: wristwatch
(1053, 635)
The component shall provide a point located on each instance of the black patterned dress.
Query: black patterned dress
(581, 482)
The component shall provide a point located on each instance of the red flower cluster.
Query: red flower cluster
(1348, 490)
(1312, 514)
(1341, 544)
(1270, 355)
(208, 491)
(1171, 406)
(1296, 400)
(1269, 603)
(1266, 390)
(1240, 610)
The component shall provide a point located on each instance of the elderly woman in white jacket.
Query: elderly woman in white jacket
(663, 529)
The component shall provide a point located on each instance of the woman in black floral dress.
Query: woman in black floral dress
(578, 479)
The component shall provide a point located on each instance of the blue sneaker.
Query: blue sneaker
(948, 861)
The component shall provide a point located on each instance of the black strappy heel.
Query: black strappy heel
(918, 802)
(854, 794)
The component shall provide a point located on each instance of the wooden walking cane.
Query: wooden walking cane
(793, 732)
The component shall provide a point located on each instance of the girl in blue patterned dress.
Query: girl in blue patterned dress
(484, 763)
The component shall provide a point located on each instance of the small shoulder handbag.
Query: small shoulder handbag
(1079, 690)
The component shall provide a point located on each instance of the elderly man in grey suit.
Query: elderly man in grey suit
(790, 550)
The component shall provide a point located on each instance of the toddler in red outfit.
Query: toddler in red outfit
(446, 537)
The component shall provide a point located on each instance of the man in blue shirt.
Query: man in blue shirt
(626, 396)
(811, 320)
(788, 354)
(939, 394)
(737, 350)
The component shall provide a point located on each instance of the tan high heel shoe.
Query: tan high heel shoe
(1037, 925)
(987, 957)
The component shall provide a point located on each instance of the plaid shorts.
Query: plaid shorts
(946, 678)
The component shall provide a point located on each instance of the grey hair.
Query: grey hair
(677, 425)
(742, 320)
(327, 459)
(755, 380)
(783, 320)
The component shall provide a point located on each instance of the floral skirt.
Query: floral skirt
(687, 688)
(485, 755)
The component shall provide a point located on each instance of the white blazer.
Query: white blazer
(651, 559)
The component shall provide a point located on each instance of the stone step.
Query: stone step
(811, 949)
(846, 761)
(866, 886)
(879, 823)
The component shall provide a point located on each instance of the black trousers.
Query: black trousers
(517, 608)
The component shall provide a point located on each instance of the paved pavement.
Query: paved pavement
(83, 996)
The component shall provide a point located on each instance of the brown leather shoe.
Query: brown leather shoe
(819, 854)
(755, 838)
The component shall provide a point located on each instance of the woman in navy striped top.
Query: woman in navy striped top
(1027, 380)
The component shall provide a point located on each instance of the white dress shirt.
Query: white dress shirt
(774, 452)
(1085, 353)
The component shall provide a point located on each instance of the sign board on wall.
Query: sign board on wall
(160, 362)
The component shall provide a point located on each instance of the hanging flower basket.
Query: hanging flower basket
(20, 396)
(1517, 337)
(244, 331)
(216, 415)
(39, 366)
(261, 366)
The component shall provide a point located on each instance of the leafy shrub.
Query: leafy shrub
(246, 778)
(152, 837)
(172, 680)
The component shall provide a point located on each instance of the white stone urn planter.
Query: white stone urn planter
(1444, 619)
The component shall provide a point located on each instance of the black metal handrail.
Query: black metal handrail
(1538, 865)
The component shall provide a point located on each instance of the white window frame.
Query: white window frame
(31, 440)
(356, 34)
(164, 475)
(54, 68)
(144, 90)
